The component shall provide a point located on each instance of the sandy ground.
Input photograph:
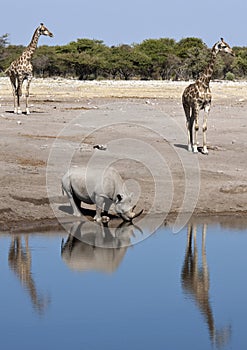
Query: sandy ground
(143, 126)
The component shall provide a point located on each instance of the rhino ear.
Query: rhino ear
(119, 198)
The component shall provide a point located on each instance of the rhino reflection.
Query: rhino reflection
(195, 282)
(20, 261)
(95, 246)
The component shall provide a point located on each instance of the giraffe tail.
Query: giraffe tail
(6, 72)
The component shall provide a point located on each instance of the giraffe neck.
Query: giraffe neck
(33, 44)
(206, 76)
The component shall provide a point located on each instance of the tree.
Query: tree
(3, 43)
(45, 61)
(162, 58)
(9, 54)
(184, 46)
(194, 56)
(158, 51)
(120, 62)
(85, 57)
(239, 64)
(4, 40)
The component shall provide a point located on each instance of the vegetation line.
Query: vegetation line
(156, 59)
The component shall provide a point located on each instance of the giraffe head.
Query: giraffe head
(44, 31)
(222, 46)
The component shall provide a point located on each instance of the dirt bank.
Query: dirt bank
(143, 126)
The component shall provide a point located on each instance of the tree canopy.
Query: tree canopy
(162, 58)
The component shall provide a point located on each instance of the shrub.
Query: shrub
(230, 76)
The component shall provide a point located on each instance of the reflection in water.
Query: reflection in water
(195, 283)
(92, 246)
(96, 246)
(20, 262)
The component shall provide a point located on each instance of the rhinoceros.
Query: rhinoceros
(100, 187)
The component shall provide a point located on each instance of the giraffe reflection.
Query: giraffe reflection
(20, 261)
(195, 283)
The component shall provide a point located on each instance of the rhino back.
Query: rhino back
(86, 182)
(78, 184)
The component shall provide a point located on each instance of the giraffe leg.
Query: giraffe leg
(188, 125)
(19, 93)
(204, 129)
(195, 113)
(19, 111)
(13, 85)
(29, 79)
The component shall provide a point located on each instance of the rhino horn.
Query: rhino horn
(130, 215)
(137, 214)
(133, 215)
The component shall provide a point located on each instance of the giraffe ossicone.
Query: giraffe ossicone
(198, 96)
(21, 69)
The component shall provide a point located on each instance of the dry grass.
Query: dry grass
(55, 89)
(30, 162)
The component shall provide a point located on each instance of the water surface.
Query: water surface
(170, 291)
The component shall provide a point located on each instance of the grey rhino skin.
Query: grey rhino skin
(102, 187)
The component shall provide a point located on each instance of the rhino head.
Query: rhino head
(124, 208)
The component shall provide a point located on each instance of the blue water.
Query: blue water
(155, 295)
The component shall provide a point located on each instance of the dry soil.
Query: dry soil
(142, 124)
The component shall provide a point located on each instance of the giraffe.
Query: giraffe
(195, 282)
(21, 69)
(20, 262)
(198, 96)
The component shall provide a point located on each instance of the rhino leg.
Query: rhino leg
(76, 210)
(98, 216)
(100, 205)
(73, 201)
(105, 219)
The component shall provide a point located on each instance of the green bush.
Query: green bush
(162, 58)
(230, 76)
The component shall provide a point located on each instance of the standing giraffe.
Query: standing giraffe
(21, 69)
(198, 96)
